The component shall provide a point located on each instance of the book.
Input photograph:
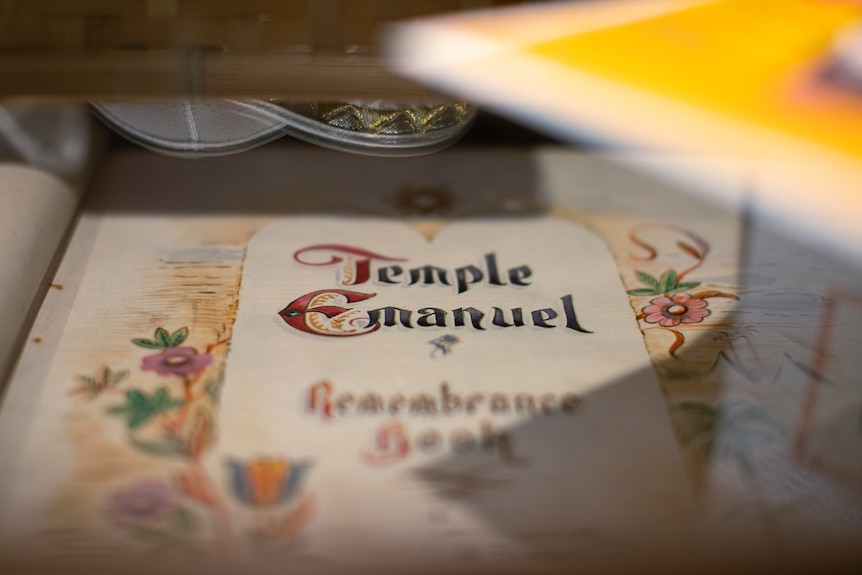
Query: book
(481, 359)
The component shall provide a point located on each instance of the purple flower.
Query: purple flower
(180, 361)
(142, 504)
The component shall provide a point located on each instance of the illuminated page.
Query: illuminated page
(230, 390)
(483, 390)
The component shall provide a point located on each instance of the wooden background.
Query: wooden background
(117, 49)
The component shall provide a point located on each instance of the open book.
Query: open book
(481, 359)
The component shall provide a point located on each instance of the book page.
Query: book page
(46, 155)
(36, 210)
(206, 389)
(217, 390)
(493, 354)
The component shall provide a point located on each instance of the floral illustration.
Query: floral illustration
(105, 380)
(267, 481)
(669, 282)
(177, 420)
(272, 486)
(668, 311)
(675, 307)
(163, 339)
(140, 407)
(142, 504)
(152, 512)
(181, 361)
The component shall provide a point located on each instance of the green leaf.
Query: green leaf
(647, 279)
(104, 379)
(667, 281)
(160, 448)
(137, 400)
(179, 336)
(163, 337)
(88, 381)
(147, 343)
(118, 377)
(162, 402)
(134, 417)
(684, 286)
(138, 418)
(160, 397)
(643, 291)
(169, 405)
(173, 404)
(141, 408)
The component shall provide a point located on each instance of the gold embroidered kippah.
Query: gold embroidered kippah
(199, 128)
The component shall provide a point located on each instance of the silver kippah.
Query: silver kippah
(200, 128)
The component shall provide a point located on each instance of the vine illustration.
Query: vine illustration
(675, 306)
(163, 423)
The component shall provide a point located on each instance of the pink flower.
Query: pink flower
(668, 311)
(142, 504)
(181, 361)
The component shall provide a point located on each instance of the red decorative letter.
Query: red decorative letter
(311, 314)
(357, 269)
(391, 446)
(318, 396)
